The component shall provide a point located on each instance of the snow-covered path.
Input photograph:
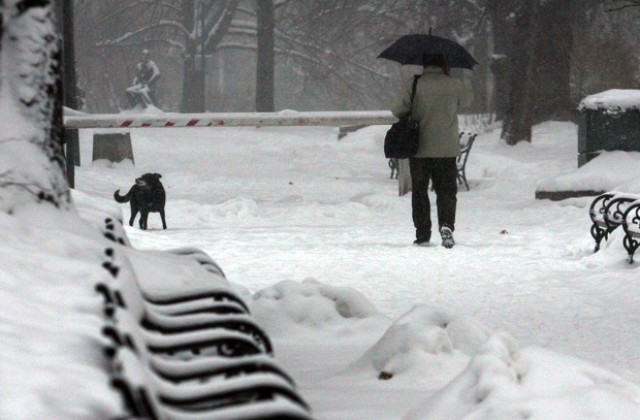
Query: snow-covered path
(288, 204)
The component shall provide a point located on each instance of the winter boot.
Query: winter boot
(423, 236)
(447, 237)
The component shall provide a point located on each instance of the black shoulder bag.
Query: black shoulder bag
(402, 139)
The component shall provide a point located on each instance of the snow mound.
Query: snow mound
(327, 213)
(424, 341)
(615, 170)
(381, 202)
(503, 383)
(95, 209)
(205, 214)
(613, 101)
(124, 164)
(612, 253)
(299, 306)
(369, 139)
(288, 113)
(239, 207)
(142, 110)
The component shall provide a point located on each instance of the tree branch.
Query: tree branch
(161, 24)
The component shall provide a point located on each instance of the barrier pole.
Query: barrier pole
(229, 119)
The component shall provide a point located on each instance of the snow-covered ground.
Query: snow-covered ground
(519, 320)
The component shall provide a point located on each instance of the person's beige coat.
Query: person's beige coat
(436, 104)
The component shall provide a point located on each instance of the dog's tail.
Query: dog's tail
(122, 198)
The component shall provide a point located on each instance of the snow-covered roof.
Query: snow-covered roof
(613, 101)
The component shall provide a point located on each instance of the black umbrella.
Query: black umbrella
(411, 49)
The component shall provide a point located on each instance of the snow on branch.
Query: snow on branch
(320, 52)
(241, 31)
(618, 5)
(147, 3)
(218, 24)
(161, 24)
(244, 24)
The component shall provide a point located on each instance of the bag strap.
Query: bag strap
(413, 92)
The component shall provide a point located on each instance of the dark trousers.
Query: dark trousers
(442, 172)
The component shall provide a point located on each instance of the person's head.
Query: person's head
(435, 60)
(146, 55)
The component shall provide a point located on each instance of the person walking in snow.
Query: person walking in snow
(437, 101)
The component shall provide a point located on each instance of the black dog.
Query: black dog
(147, 195)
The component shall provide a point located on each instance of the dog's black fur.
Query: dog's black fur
(147, 195)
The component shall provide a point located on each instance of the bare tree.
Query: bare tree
(31, 150)
(533, 72)
(193, 28)
(325, 52)
(205, 25)
(265, 66)
(334, 44)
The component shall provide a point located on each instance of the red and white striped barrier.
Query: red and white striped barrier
(76, 120)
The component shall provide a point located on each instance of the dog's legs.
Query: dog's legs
(144, 215)
(164, 223)
(134, 213)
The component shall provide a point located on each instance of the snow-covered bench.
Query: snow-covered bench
(189, 350)
(613, 209)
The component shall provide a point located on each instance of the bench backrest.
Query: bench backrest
(465, 147)
(632, 219)
(609, 208)
(616, 208)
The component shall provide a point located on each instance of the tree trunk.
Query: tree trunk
(483, 85)
(65, 19)
(265, 68)
(31, 150)
(193, 82)
(193, 90)
(501, 30)
(553, 62)
(519, 116)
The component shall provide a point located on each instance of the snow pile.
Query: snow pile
(290, 307)
(288, 113)
(612, 101)
(504, 383)
(95, 209)
(365, 139)
(141, 110)
(426, 341)
(234, 210)
(457, 367)
(609, 171)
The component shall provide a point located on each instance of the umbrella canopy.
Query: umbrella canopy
(411, 49)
